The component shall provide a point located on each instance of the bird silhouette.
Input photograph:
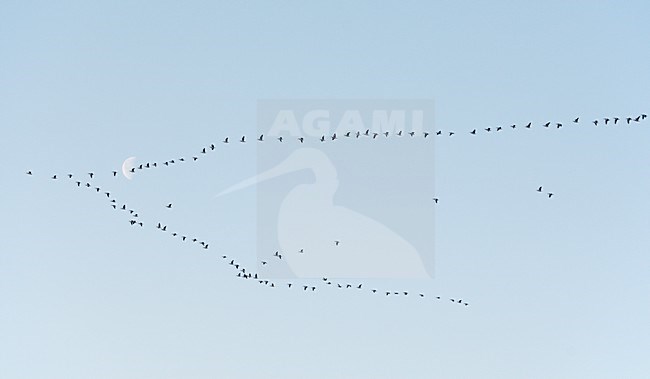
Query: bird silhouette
(529, 125)
(550, 194)
(576, 120)
(337, 242)
(473, 132)
(435, 199)
(91, 174)
(225, 140)
(29, 173)
(539, 189)
(261, 138)
(168, 205)
(243, 139)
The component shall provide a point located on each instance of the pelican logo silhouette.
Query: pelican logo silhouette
(309, 220)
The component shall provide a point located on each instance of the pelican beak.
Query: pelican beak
(303, 158)
(284, 167)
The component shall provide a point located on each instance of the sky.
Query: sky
(557, 287)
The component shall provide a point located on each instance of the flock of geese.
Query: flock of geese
(242, 272)
(367, 133)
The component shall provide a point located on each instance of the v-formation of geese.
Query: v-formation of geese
(241, 271)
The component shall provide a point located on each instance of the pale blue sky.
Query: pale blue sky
(559, 288)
